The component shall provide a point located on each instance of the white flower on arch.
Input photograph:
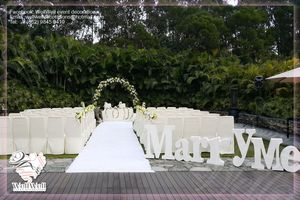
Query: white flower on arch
(124, 83)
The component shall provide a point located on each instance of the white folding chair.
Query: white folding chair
(67, 108)
(151, 108)
(20, 131)
(30, 114)
(182, 108)
(196, 113)
(107, 114)
(160, 122)
(204, 112)
(178, 130)
(92, 121)
(161, 108)
(55, 132)
(214, 114)
(75, 138)
(187, 112)
(38, 134)
(225, 131)
(14, 114)
(171, 108)
(6, 138)
(78, 108)
(191, 127)
(44, 109)
(209, 124)
(137, 122)
(94, 124)
(86, 129)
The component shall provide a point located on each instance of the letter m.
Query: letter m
(259, 150)
(155, 144)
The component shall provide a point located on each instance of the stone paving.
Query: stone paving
(268, 134)
(173, 165)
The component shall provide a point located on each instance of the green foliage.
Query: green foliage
(60, 71)
(21, 97)
(2, 69)
(200, 31)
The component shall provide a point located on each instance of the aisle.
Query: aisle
(113, 147)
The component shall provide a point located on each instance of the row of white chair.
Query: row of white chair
(33, 131)
(177, 111)
(187, 124)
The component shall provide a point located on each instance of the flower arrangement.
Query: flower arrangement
(125, 84)
(81, 115)
(147, 114)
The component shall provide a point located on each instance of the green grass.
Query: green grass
(4, 157)
(51, 156)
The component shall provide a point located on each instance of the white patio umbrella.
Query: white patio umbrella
(291, 76)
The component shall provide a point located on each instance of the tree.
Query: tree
(248, 37)
(281, 28)
(200, 31)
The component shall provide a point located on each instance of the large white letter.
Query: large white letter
(286, 156)
(268, 156)
(197, 142)
(243, 146)
(153, 142)
(183, 152)
(214, 146)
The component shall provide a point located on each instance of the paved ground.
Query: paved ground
(267, 134)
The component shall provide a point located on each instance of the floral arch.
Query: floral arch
(125, 84)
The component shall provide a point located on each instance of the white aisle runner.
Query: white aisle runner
(113, 147)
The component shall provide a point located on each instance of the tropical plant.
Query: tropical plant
(57, 71)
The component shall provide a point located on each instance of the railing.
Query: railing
(285, 125)
(295, 125)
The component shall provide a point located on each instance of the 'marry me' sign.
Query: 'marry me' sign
(287, 159)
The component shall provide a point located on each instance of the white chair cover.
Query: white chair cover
(14, 114)
(191, 126)
(171, 108)
(6, 138)
(55, 131)
(20, 131)
(209, 125)
(38, 134)
(178, 130)
(75, 138)
(225, 130)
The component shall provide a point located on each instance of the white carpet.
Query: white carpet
(113, 147)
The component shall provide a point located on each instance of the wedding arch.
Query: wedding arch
(124, 83)
(127, 86)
